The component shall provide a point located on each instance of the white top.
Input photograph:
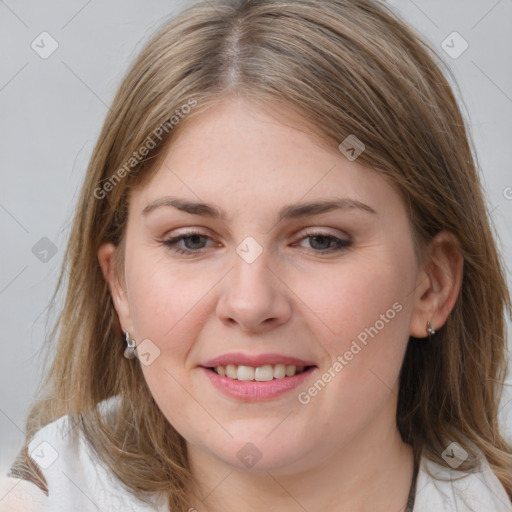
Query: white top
(79, 482)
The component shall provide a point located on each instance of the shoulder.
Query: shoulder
(444, 490)
(66, 474)
(18, 495)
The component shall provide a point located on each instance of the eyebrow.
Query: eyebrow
(292, 211)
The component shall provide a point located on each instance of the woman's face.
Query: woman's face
(272, 283)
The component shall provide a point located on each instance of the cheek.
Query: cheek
(166, 306)
(164, 297)
(361, 319)
(361, 311)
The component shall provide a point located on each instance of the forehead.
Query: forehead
(234, 156)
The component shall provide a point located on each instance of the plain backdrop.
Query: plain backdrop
(52, 109)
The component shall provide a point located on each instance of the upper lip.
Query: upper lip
(255, 360)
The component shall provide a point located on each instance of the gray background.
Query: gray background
(52, 110)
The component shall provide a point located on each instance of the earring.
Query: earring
(430, 331)
(129, 351)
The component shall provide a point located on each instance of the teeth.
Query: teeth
(259, 374)
(245, 373)
(279, 371)
(231, 371)
(263, 373)
(290, 370)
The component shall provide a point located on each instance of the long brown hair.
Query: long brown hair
(346, 67)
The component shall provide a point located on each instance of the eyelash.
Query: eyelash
(342, 244)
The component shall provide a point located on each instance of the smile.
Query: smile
(260, 373)
(253, 378)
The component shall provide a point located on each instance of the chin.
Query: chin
(261, 453)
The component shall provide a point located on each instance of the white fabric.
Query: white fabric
(459, 492)
(79, 482)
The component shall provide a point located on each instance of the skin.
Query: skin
(342, 450)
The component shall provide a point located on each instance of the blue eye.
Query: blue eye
(194, 242)
(324, 241)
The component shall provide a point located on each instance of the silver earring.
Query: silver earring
(430, 331)
(129, 351)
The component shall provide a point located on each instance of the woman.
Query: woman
(283, 232)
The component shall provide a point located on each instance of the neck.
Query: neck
(364, 476)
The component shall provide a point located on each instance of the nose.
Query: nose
(254, 297)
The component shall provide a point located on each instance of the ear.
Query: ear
(106, 254)
(438, 284)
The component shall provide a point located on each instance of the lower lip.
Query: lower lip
(253, 391)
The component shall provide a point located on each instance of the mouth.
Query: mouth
(263, 373)
(255, 378)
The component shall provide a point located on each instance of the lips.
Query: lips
(239, 359)
(254, 378)
(260, 368)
